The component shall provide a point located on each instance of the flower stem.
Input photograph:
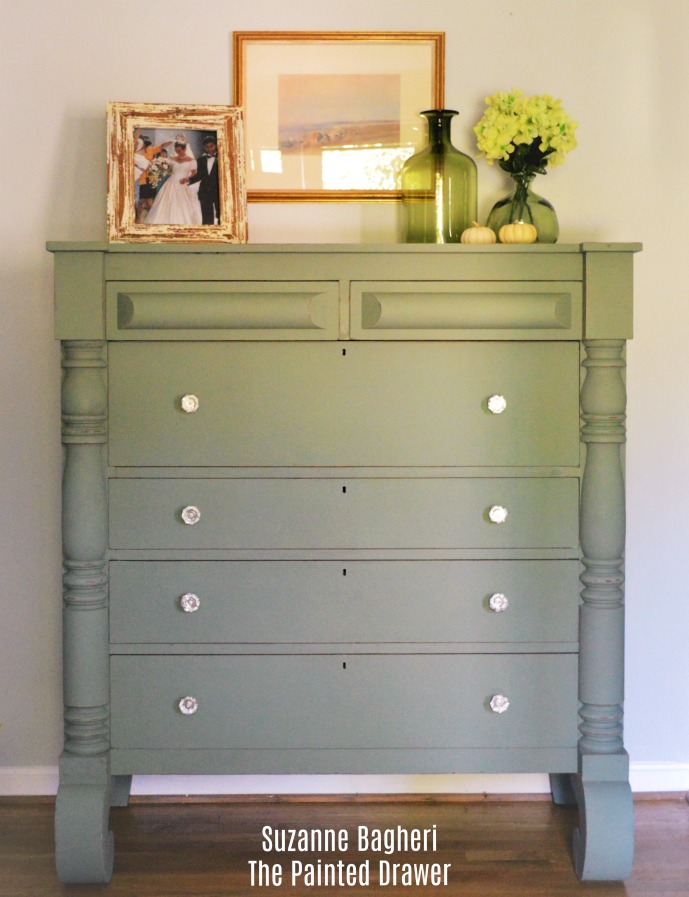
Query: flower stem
(520, 200)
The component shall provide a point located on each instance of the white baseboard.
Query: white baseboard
(659, 776)
(42, 780)
(342, 784)
(28, 780)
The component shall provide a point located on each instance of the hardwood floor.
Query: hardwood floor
(496, 848)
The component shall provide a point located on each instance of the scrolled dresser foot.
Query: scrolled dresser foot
(603, 844)
(84, 844)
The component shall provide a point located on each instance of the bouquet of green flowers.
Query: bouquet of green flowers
(525, 134)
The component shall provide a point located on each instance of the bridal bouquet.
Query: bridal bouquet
(525, 134)
(158, 171)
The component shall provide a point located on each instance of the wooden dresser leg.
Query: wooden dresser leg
(84, 845)
(121, 788)
(604, 841)
(83, 841)
(562, 790)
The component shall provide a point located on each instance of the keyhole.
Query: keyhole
(344, 488)
(344, 666)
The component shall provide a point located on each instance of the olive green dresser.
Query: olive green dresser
(329, 509)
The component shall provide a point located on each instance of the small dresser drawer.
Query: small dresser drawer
(366, 513)
(520, 603)
(346, 404)
(446, 309)
(344, 701)
(210, 310)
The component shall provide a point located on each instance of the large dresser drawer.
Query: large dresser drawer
(344, 701)
(325, 602)
(344, 404)
(347, 513)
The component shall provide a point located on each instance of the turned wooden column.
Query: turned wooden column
(604, 840)
(83, 842)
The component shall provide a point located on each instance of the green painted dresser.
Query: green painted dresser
(329, 509)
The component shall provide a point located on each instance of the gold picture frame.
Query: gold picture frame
(147, 142)
(331, 115)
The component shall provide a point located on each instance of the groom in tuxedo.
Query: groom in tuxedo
(207, 176)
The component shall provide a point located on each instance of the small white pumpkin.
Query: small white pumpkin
(477, 234)
(518, 232)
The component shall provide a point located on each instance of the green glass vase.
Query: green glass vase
(438, 186)
(523, 204)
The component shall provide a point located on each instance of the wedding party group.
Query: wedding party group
(172, 185)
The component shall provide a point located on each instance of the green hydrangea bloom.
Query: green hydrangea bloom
(525, 133)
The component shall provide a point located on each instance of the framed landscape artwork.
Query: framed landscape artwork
(176, 173)
(333, 115)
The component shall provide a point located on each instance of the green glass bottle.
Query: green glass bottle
(439, 191)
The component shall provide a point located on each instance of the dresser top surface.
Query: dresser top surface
(388, 248)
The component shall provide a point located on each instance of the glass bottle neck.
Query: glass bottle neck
(439, 126)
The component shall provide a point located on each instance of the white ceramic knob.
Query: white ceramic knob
(497, 514)
(190, 404)
(497, 404)
(499, 703)
(188, 705)
(498, 602)
(190, 603)
(191, 515)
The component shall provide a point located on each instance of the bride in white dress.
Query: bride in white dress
(177, 202)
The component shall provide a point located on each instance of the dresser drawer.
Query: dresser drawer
(344, 404)
(446, 309)
(344, 701)
(440, 512)
(210, 310)
(325, 602)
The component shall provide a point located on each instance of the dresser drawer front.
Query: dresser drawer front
(356, 404)
(343, 514)
(325, 602)
(344, 701)
(239, 310)
(445, 309)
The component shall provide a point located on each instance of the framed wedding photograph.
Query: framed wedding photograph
(176, 173)
(332, 116)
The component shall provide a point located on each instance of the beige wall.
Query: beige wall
(620, 67)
